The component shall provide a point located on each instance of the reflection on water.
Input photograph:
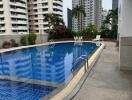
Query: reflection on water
(48, 63)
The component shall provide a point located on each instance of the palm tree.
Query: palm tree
(58, 21)
(112, 17)
(77, 12)
(53, 20)
(111, 20)
(107, 20)
(50, 18)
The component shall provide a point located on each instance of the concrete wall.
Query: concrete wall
(41, 38)
(125, 31)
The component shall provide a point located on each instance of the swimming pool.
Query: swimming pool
(53, 64)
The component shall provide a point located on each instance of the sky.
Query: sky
(107, 4)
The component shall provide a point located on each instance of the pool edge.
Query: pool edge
(38, 45)
(75, 84)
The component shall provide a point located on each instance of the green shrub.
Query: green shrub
(13, 43)
(6, 44)
(24, 40)
(60, 32)
(68, 33)
(32, 38)
(78, 33)
(51, 34)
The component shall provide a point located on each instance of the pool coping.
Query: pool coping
(39, 45)
(75, 84)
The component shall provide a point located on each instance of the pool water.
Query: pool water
(11, 90)
(52, 63)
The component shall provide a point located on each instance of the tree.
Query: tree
(91, 31)
(50, 18)
(53, 20)
(77, 12)
(58, 21)
(56, 26)
(32, 38)
(112, 21)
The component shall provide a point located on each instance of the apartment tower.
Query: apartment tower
(13, 17)
(115, 4)
(38, 9)
(93, 10)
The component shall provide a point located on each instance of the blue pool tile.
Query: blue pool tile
(11, 90)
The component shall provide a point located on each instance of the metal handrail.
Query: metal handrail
(78, 59)
(51, 44)
(50, 41)
(81, 58)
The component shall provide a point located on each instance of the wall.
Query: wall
(41, 38)
(125, 34)
(6, 7)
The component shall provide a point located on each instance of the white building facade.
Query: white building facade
(125, 34)
(38, 9)
(13, 17)
(93, 10)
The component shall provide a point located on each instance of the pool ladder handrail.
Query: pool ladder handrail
(52, 45)
(82, 58)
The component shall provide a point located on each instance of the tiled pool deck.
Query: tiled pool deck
(106, 81)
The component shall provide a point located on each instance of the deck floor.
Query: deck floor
(106, 81)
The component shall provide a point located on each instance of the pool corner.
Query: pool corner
(75, 84)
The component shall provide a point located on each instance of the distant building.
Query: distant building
(13, 16)
(104, 14)
(69, 18)
(114, 4)
(93, 10)
(38, 9)
(114, 7)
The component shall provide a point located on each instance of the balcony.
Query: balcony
(58, 7)
(19, 22)
(58, 2)
(58, 12)
(17, 4)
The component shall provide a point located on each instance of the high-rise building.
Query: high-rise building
(13, 16)
(93, 10)
(69, 18)
(114, 4)
(104, 14)
(38, 9)
(114, 7)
